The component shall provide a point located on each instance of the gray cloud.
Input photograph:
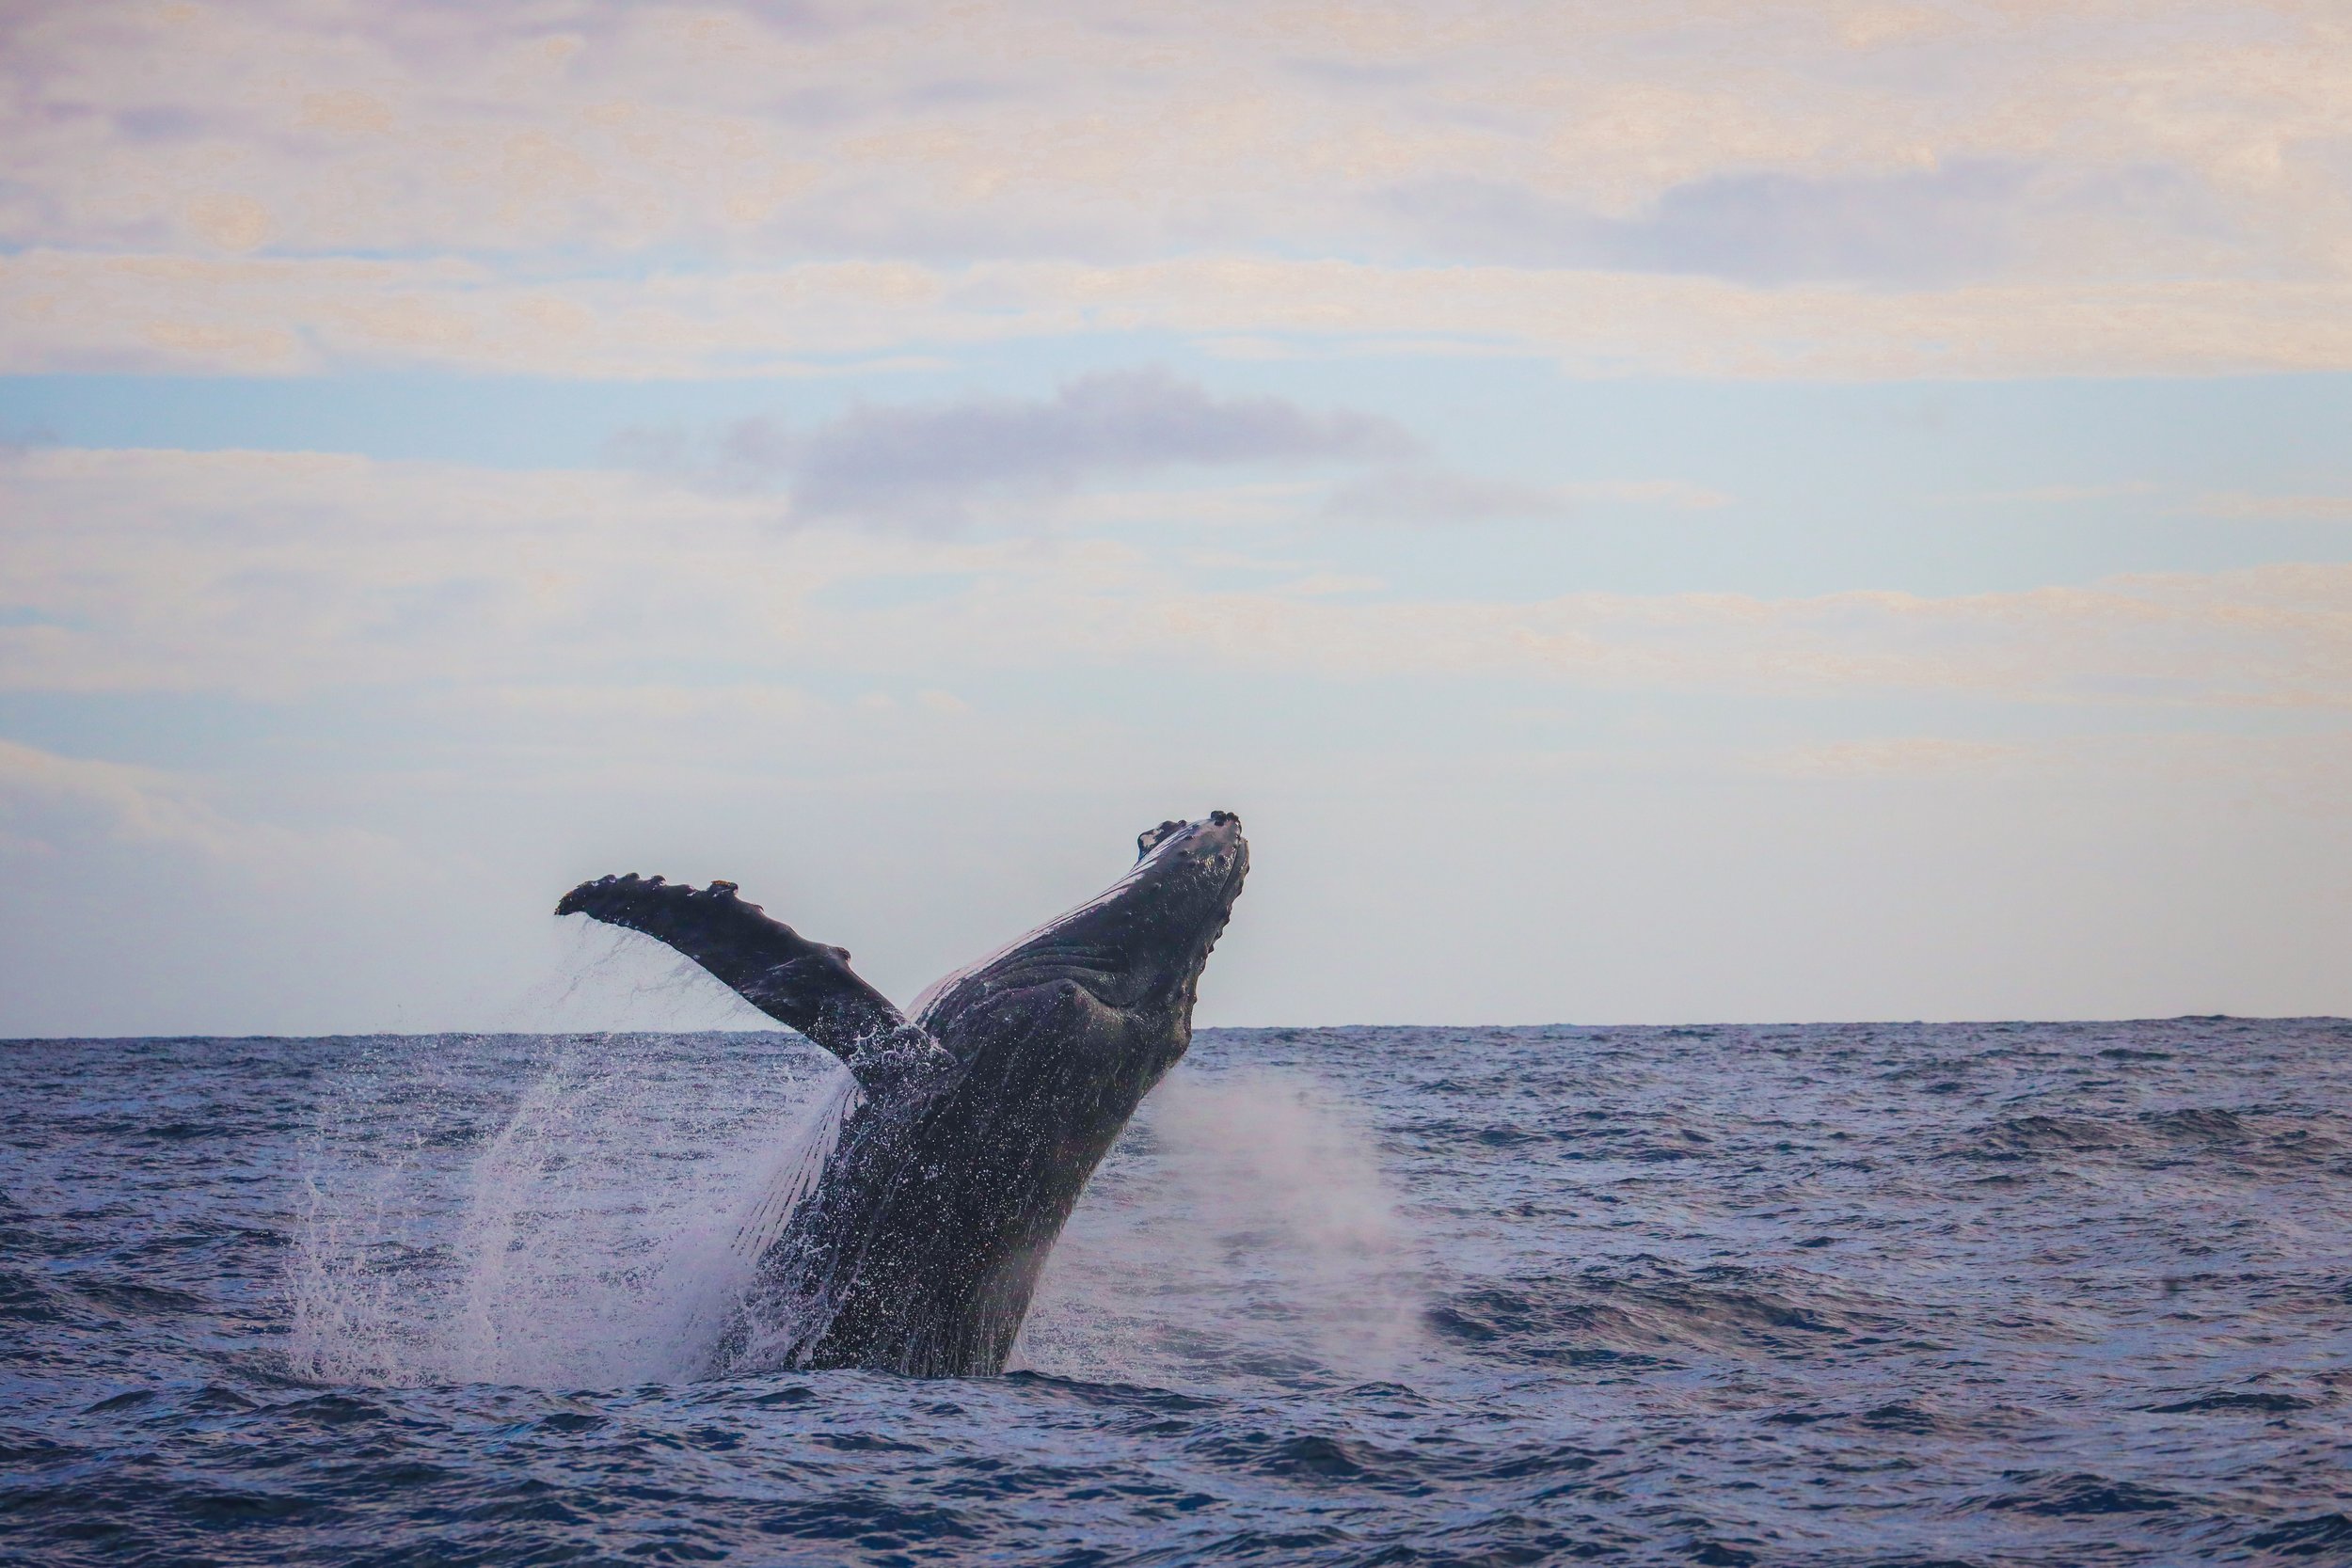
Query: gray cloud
(1962, 220)
(930, 466)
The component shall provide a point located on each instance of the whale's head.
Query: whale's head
(1147, 937)
(1135, 949)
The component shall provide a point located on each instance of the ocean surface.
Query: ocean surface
(1997, 1293)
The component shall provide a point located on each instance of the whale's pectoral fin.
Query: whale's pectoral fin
(804, 984)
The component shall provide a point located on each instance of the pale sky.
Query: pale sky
(1650, 512)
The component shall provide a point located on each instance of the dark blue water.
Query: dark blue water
(1986, 1294)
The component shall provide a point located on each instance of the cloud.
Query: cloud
(2301, 770)
(2277, 637)
(1439, 496)
(55, 807)
(1109, 132)
(1966, 220)
(932, 466)
(276, 574)
(129, 805)
(1906, 756)
(2277, 507)
(61, 312)
(638, 191)
(2055, 495)
(272, 575)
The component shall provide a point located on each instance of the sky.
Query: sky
(1652, 511)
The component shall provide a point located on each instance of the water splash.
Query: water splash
(599, 1232)
(594, 975)
(1244, 1222)
(590, 1240)
(768, 1320)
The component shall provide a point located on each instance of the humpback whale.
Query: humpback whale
(915, 1241)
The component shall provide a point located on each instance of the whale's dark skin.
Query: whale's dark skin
(977, 1120)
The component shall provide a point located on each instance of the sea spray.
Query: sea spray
(589, 1240)
(346, 1282)
(767, 1317)
(1244, 1221)
(597, 972)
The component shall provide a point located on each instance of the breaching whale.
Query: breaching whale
(975, 1122)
